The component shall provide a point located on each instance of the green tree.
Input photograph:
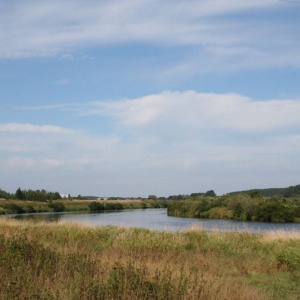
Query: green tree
(5, 195)
(255, 194)
(210, 193)
(20, 194)
(39, 196)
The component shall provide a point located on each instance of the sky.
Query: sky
(137, 97)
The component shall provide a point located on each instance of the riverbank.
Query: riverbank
(22, 206)
(240, 207)
(64, 261)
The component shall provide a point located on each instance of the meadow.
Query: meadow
(68, 261)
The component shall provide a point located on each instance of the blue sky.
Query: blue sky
(131, 98)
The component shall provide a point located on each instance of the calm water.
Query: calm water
(156, 219)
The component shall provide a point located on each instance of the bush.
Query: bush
(29, 209)
(112, 206)
(96, 206)
(12, 208)
(57, 207)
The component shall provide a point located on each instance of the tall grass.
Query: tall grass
(68, 261)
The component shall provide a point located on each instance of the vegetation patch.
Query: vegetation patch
(24, 206)
(243, 207)
(60, 261)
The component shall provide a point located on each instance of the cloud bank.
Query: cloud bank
(167, 143)
(197, 111)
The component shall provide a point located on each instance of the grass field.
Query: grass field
(68, 261)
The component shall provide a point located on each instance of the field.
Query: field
(68, 261)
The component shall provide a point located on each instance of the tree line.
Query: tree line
(30, 195)
(287, 192)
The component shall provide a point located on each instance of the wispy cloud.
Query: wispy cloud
(190, 109)
(29, 128)
(63, 81)
(54, 27)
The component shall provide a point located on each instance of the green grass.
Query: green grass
(64, 261)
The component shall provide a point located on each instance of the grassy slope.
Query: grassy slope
(65, 261)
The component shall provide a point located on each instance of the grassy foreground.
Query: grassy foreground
(68, 261)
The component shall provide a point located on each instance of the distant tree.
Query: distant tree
(288, 193)
(5, 195)
(57, 195)
(255, 194)
(52, 196)
(194, 195)
(20, 194)
(30, 195)
(176, 197)
(39, 196)
(152, 197)
(210, 193)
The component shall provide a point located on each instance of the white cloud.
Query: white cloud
(29, 128)
(173, 142)
(55, 27)
(196, 111)
(32, 163)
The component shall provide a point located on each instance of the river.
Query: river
(157, 219)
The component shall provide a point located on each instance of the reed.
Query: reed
(69, 261)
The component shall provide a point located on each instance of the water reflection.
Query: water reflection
(39, 217)
(156, 219)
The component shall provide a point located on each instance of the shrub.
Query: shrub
(57, 207)
(12, 208)
(112, 206)
(29, 209)
(96, 206)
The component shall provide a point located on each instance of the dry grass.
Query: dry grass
(282, 235)
(127, 201)
(69, 261)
